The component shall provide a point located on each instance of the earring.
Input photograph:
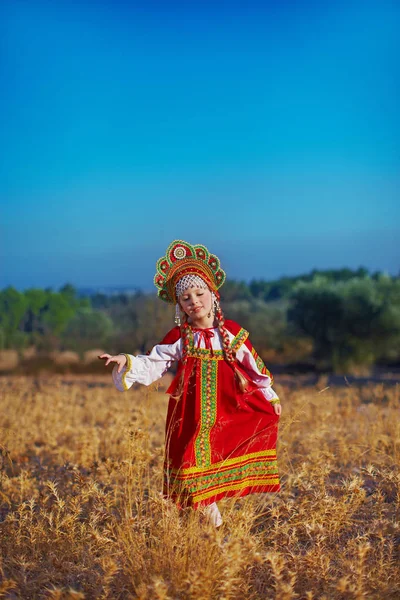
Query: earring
(177, 315)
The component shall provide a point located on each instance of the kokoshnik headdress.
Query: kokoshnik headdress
(182, 259)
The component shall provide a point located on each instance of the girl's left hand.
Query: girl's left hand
(278, 409)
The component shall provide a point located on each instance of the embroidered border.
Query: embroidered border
(208, 411)
(205, 354)
(195, 484)
(264, 483)
(239, 339)
(237, 460)
(244, 472)
(260, 365)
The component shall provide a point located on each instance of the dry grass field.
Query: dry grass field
(81, 515)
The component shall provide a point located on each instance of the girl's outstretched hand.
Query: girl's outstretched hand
(120, 359)
(278, 409)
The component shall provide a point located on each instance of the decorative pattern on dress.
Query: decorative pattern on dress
(260, 364)
(208, 411)
(205, 354)
(255, 470)
(239, 339)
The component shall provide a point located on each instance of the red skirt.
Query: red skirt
(220, 442)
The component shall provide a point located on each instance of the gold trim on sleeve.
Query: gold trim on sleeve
(127, 368)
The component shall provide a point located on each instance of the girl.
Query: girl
(223, 414)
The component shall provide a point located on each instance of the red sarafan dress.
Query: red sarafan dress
(220, 441)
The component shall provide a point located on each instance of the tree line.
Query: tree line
(336, 319)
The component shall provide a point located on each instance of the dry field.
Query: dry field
(81, 515)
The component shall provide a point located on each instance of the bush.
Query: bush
(352, 323)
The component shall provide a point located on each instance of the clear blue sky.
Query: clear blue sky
(268, 131)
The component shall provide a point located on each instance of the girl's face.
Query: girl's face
(197, 304)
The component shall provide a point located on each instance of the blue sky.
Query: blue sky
(269, 131)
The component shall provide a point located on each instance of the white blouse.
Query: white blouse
(148, 368)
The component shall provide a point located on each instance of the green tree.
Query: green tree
(87, 329)
(36, 301)
(259, 288)
(57, 312)
(317, 312)
(235, 291)
(69, 292)
(352, 323)
(12, 308)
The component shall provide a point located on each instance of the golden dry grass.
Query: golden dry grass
(82, 516)
(8, 360)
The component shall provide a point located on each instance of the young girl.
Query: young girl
(223, 414)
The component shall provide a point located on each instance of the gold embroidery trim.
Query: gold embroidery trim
(226, 463)
(127, 368)
(236, 486)
(239, 339)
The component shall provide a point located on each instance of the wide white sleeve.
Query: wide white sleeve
(148, 368)
(253, 370)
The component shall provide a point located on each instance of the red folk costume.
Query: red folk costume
(220, 441)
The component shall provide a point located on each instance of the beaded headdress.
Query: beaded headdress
(189, 281)
(183, 259)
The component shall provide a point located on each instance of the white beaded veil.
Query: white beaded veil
(189, 281)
